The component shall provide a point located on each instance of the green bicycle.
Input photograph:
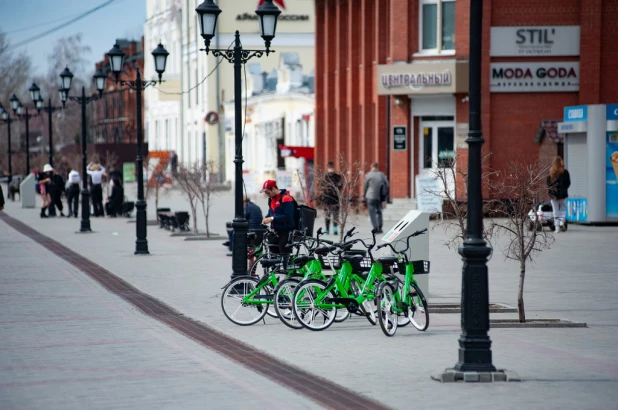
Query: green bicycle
(402, 299)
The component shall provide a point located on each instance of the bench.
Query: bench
(174, 220)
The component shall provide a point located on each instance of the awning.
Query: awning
(296, 152)
(549, 128)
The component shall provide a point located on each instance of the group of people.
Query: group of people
(53, 185)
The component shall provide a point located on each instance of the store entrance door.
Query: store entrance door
(437, 148)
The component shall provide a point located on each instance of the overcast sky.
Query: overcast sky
(22, 19)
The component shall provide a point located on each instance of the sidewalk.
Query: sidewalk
(562, 368)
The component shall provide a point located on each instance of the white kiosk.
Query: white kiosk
(591, 156)
(419, 246)
(27, 194)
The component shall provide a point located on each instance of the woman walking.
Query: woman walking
(558, 183)
(45, 182)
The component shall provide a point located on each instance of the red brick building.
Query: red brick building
(114, 117)
(401, 66)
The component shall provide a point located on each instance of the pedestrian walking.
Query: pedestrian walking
(558, 183)
(113, 204)
(330, 187)
(96, 172)
(72, 190)
(1, 199)
(375, 192)
(57, 191)
(280, 216)
(174, 163)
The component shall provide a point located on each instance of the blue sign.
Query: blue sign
(577, 113)
(611, 174)
(611, 112)
(577, 209)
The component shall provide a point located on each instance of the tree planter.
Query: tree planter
(192, 234)
(456, 308)
(203, 237)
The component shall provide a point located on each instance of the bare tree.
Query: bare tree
(344, 189)
(205, 190)
(516, 191)
(189, 179)
(452, 188)
(158, 188)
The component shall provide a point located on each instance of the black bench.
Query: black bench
(173, 220)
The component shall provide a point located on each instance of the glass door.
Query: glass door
(437, 149)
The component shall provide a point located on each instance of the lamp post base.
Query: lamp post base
(85, 222)
(141, 243)
(454, 376)
(239, 252)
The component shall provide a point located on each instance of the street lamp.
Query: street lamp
(66, 78)
(23, 114)
(116, 61)
(474, 343)
(35, 94)
(6, 117)
(267, 13)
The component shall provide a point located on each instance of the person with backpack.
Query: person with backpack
(375, 189)
(282, 211)
(558, 183)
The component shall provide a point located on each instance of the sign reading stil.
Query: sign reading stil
(534, 77)
(535, 41)
(400, 138)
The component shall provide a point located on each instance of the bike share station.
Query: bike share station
(419, 245)
(591, 157)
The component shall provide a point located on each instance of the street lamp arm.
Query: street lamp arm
(84, 100)
(246, 55)
(134, 84)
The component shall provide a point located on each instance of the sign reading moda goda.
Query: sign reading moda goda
(534, 77)
(535, 41)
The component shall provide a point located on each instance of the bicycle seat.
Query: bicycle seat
(323, 250)
(302, 260)
(351, 258)
(267, 263)
(388, 260)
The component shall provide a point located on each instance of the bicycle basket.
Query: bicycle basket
(361, 265)
(420, 267)
(330, 261)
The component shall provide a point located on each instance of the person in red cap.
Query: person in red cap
(280, 214)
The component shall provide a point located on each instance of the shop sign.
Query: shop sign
(611, 111)
(576, 113)
(572, 127)
(534, 77)
(428, 198)
(417, 80)
(400, 138)
(535, 41)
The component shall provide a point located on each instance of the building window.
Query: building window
(437, 25)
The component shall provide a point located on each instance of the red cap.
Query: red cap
(269, 184)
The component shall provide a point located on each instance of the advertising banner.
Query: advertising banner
(128, 172)
(534, 77)
(577, 209)
(611, 172)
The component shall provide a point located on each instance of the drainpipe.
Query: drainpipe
(388, 147)
(220, 139)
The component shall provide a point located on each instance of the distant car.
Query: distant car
(542, 215)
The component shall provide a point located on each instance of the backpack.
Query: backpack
(297, 215)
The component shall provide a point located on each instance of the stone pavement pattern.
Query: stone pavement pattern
(67, 343)
(563, 368)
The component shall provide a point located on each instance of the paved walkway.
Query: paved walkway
(562, 368)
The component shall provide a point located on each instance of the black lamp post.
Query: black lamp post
(208, 12)
(66, 79)
(23, 114)
(116, 61)
(35, 93)
(6, 117)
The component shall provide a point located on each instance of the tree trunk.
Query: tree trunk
(157, 197)
(205, 212)
(194, 212)
(520, 293)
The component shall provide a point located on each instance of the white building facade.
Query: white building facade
(279, 112)
(162, 104)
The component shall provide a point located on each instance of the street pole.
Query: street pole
(85, 222)
(240, 225)
(8, 123)
(141, 243)
(474, 343)
(27, 118)
(49, 123)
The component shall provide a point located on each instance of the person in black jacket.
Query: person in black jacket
(558, 183)
(59, 189)
(113, 205)
(1, 199)
(253, 215)
(331, 186)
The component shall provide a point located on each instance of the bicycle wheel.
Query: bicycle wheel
(253, 267)
(270, 290)
(307, 313)
(342, 315)
(367, 308)
(386, 302)
(284, 292)
(418, 312)
(233, 305)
